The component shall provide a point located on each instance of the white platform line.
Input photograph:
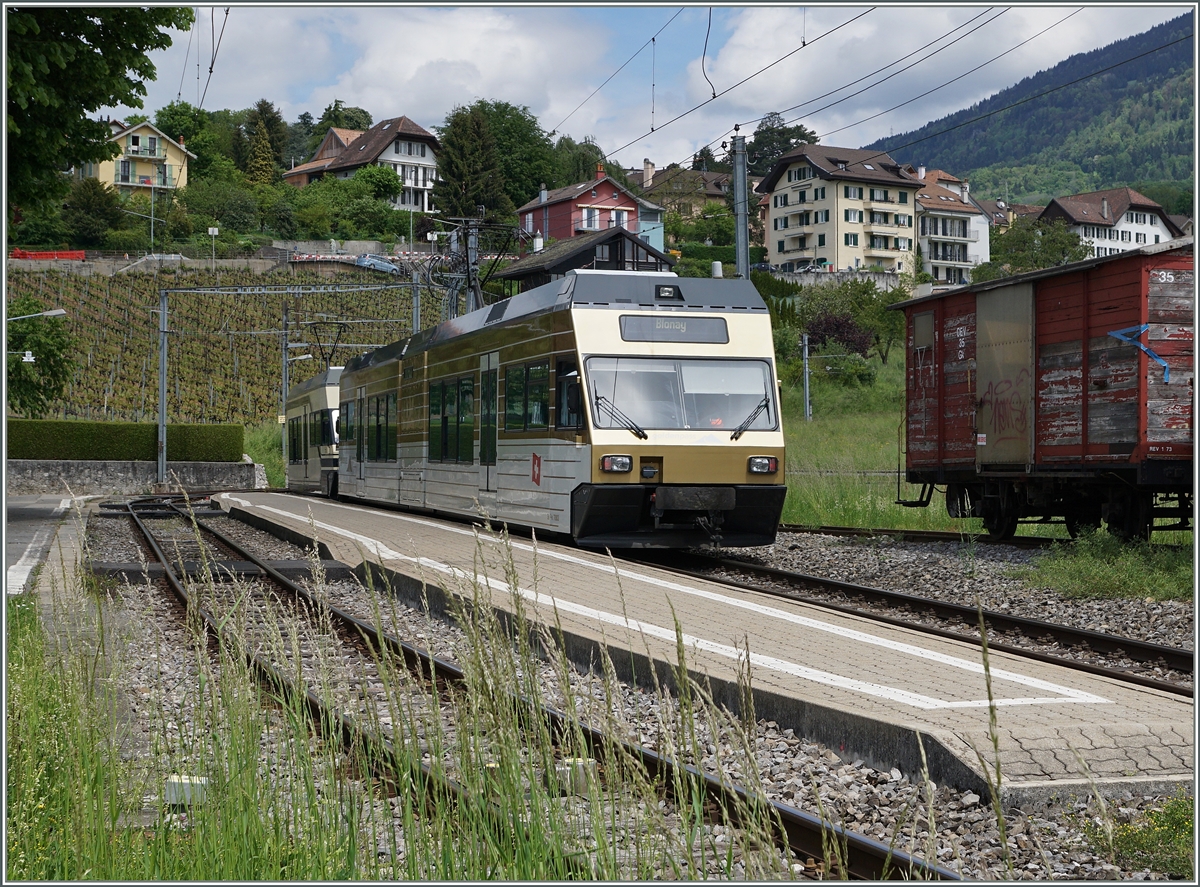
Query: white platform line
(895, 694)
(18, 573)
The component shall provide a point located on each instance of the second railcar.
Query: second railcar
(312, 437)
(1064, 394)
(624, 409)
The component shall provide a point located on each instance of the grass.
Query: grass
(1162, 841)
(1098, 565)
(264, 444)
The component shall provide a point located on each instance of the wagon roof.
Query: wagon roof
(330, 376)
(1180, 244)
(621, 290)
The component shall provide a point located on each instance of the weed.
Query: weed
(1160, 841)
(1098, 565)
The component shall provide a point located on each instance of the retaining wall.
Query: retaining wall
(113, 478)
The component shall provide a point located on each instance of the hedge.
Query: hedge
(723, 254)
(121, 441)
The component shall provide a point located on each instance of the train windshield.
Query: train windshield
(676, 393)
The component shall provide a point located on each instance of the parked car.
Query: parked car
(763, 266)
(379, 263)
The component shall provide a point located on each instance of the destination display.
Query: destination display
(643, 328)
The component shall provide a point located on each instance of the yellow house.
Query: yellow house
(149, 159)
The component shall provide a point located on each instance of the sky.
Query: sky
(423, 60)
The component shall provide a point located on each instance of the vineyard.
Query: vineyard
(224, 359)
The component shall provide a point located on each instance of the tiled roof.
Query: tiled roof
(572, 191)
(368, 146)
(1087, 209)
(855, 164)
(933, 197)
(311, 166)
(561, 250)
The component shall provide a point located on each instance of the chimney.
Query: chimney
(1104, 207)
(920, 172)
(966, 189)
(542, 195)
(537, 242)
(599, 170)
(647, 173)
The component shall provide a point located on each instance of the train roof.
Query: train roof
(621, 290)
(330, 376)
(1178, 244)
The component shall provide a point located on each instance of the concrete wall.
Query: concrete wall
(109, 267)
(31, 476)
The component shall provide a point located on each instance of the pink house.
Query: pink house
(583, 208)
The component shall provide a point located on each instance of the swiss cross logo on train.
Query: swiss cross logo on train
(537, 469)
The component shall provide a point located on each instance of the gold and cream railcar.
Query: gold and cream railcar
(311, 414)
(623, 409)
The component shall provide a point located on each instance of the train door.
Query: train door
(1004, 349)
(307, 441)
(489, 373)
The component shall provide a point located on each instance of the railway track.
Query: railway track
(821, 591)
(181, 560)
(1025, 542)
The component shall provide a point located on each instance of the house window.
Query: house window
(1141, 238)
(779, 246)
(903, 196)
(879, 194)
(802, 197)
(854, 215)
(821, 216)
(803, 243)
(819, 193)
(852, 192)
(879, 218)
(1125, 236)
(602, 252)
(422, 150)
(528, 223)
(820, 240)
(591, 217)
(878, 242)
(851, 239)
(903, 243)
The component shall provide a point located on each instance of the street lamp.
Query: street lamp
(213, 232)
(53, 312)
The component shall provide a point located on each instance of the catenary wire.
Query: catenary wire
(216, 49)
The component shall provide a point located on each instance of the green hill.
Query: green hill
(1132, 125)
(223, 359)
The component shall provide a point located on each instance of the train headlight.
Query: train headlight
(617, 464)
(763, 464)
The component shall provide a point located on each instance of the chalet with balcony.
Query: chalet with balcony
(841, 208)
(953, 232)
(609, 249)
(149, 159)
(595, 205)
(1113, 221)
(409, 149)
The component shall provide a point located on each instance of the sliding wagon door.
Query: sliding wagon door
(1004, 420)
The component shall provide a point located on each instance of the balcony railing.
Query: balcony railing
(144, 181)
(144, 151)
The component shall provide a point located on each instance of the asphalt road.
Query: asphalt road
(29, 526)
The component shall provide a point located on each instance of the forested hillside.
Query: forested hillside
(1132, 125)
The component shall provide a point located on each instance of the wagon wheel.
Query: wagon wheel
(1083, 520)
(1001, 524)
(1134, 518)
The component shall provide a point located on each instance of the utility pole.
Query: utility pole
(474, 290)
(162, 386)
(283, 347)
(741, 231)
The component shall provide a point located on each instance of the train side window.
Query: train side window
(466, 420)
(346, 421)
(389, 454)
(537, 393)
(569, 412)
(449, 421)
(514, 398)
(923, 330)
(435, 421)
(373, 429)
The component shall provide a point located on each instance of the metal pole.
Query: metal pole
(741, 233)
(807, 403)
(152, 217)
(283, 346)
(474, 292)
(162, 386)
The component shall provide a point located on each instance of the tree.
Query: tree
(265, 116)
(523, 149)
(260, 169)
(181, 121)
(62, 64)
(337, 115)
(1030, 245)
(32, 386)
(469, 173)
(91, 209)
(382, 180)
(576, 162)
(706, 161)
(296, 149)
(772, 139)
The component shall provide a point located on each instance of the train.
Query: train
(621, 409)
(311, 426)
(1062, 395)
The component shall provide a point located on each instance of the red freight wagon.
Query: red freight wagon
(1063, 393)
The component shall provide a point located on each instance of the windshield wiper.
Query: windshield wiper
(741, 429)
(627, 423)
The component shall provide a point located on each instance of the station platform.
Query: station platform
(876, 692)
